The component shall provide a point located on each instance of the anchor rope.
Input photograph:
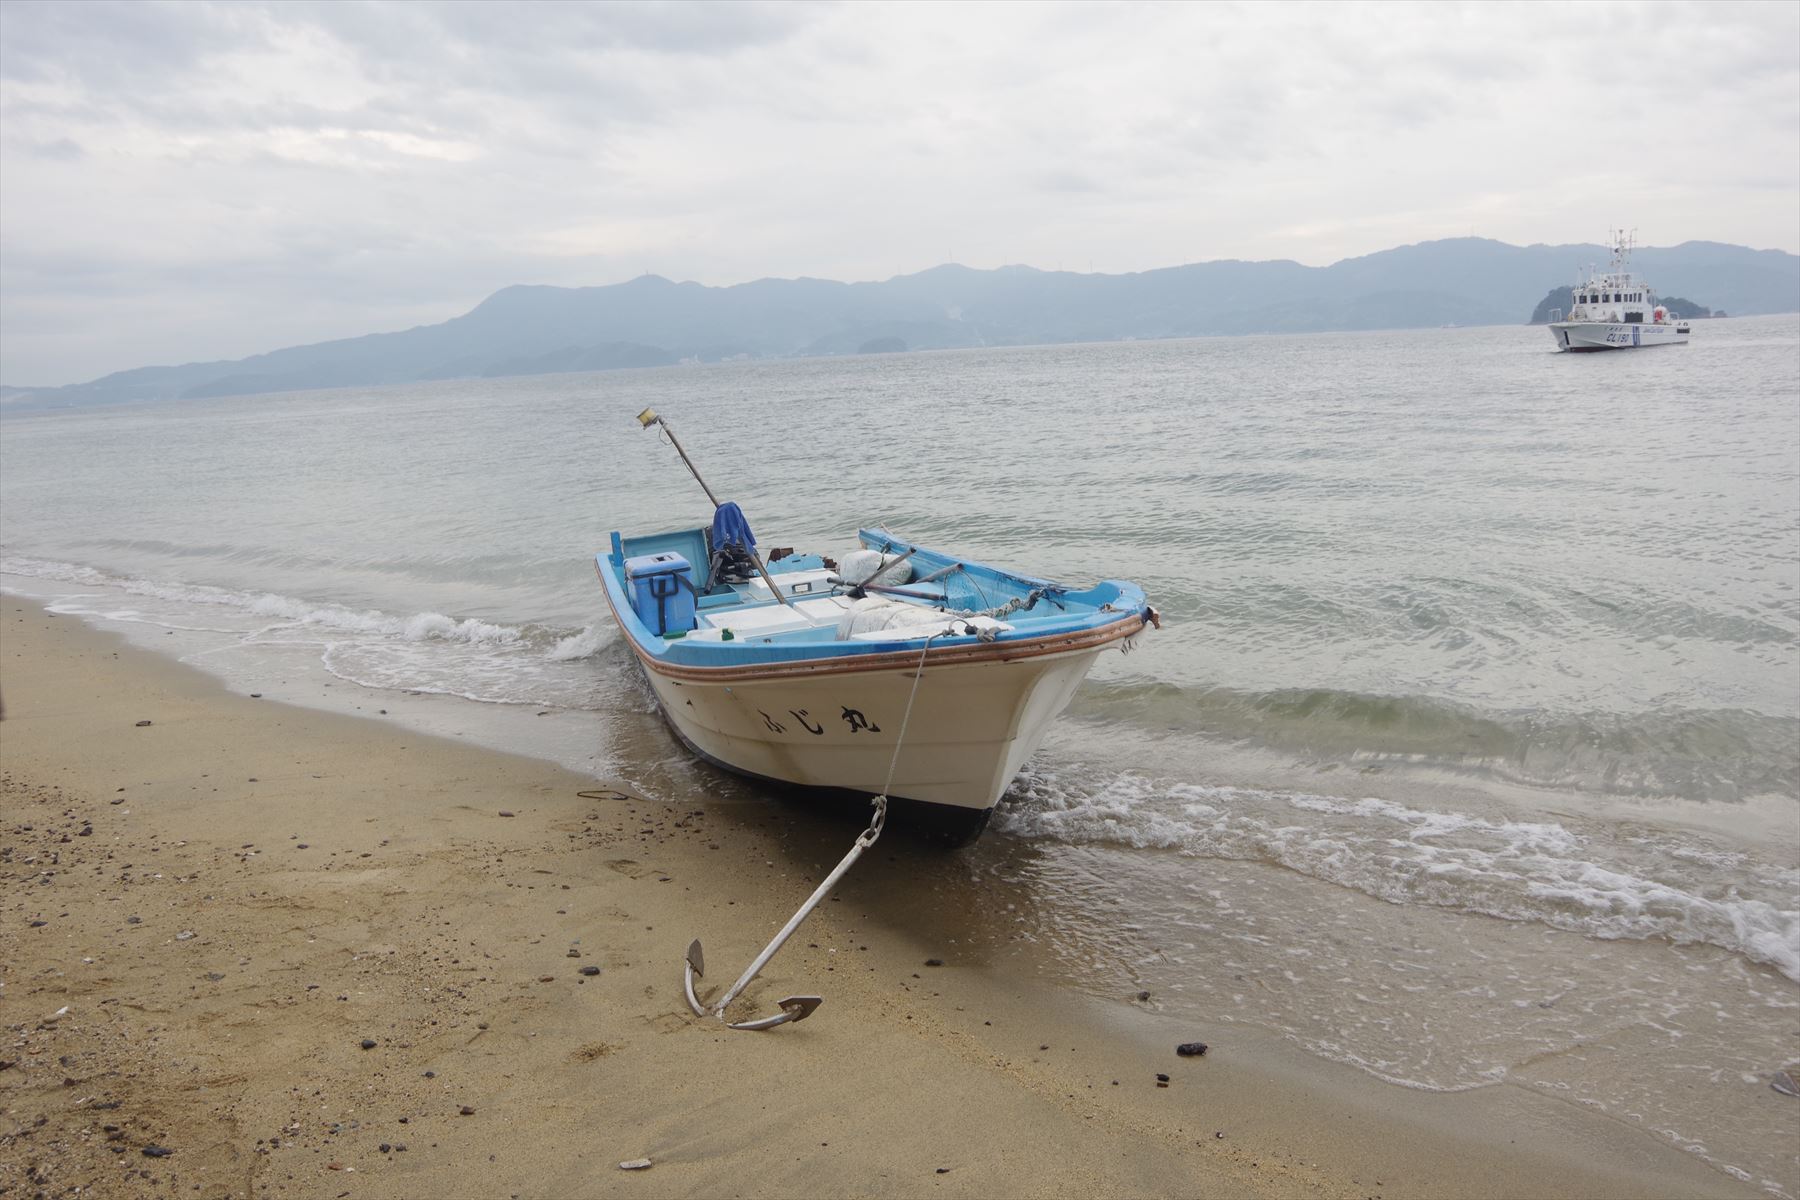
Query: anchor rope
(881, 801)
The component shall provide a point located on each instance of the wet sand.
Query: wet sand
(207, 918)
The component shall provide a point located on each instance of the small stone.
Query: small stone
(386, 1148)
(86, 831)
(140, 725)
(505, 813)
(368, 1043)
(934, 962)
(431, 1074)
(1161, 1078)
(156, 1151)
(481, 1024)
(1143, 995)
(39, 924)
(943, 1170)
(636, 1164)
(1191, 1049)
(466, 1111)
(590, 972)
(301, 846)
(186, 935)
(546, 979)
(256, 695)
(134, 920)
(574, 953)
(1784, 1083)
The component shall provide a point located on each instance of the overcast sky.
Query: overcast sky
(187, 181)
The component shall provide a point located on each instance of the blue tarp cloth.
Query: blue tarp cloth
(729, 527)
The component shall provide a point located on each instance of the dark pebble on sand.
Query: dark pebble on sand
(39, 924)
(1161, 1078)
(386, 1149)
(943, 1170)
(1191, 1049)
(573, 953)
(157, 1151)
(505, 813)
(140, 725)
(134, 920)
(466, 1111)
(301, 846)
(86, 831)
(934, 962)
(431, 1074)
(368, 1043)
(256, 695)
(590, 972)
(1143, 995)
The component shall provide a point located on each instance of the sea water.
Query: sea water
(1469, 750)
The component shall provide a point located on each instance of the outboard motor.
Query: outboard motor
(731, 563)
(733, 546)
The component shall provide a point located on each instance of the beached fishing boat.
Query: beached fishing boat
(802, 675)
(807, 672)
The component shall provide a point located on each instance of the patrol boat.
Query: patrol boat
(1616, 310)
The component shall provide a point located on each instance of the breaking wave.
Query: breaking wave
(424, 651)
(1592, 884)
(1693, 753)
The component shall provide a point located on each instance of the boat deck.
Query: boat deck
(744, 621)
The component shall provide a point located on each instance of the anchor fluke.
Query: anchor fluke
(801, 1006)
(696, 965)
(793, 1008)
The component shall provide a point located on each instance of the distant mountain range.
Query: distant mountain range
(651, 321)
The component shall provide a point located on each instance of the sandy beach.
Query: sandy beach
(250, 949)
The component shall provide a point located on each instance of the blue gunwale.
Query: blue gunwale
(1108, 611)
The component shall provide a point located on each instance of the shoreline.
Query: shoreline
(342, 880)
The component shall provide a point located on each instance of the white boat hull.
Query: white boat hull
(973, 723)
(1603, 335)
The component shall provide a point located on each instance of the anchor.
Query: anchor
(798, 1008)
(793, 1008)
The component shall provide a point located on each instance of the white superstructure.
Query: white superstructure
(1615, 310)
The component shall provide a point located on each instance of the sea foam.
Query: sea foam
(1590, 883)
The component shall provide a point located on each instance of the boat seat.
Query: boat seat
(759, 620)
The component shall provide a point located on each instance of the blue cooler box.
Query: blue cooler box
(662, 592)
